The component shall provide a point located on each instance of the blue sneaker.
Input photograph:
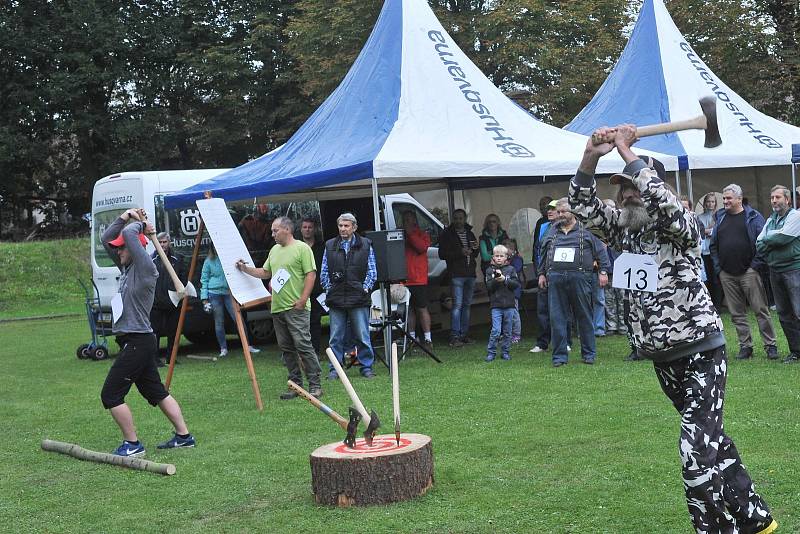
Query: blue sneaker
(129, 449)
(177, 442)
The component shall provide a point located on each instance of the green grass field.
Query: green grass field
(518, 446)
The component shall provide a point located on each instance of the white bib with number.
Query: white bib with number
(564, 254)
(279, 279)
(637, 272)
(116, 307)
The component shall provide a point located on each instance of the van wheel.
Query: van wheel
(261, 331)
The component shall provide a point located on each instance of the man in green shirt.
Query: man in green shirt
(291, 267)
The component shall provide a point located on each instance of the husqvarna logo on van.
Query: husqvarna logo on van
(190, 221)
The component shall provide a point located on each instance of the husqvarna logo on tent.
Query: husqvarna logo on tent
(101, 229)
(190, 221)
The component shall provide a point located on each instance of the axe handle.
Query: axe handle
(179, 287)
(330, 412)
(698, 123)
(348, 387)
(395, 386)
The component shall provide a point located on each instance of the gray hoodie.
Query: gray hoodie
(137, 283)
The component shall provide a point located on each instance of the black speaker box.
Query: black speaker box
(390, 254)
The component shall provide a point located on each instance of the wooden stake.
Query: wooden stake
(396, 393)
(76, 451)
(240, 326)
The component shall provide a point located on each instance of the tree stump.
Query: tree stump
(381, 474)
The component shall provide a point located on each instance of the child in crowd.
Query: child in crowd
(515, 260)
(501, 281)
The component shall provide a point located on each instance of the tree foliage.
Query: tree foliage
(94, 87)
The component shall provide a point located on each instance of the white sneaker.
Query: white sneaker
(537, 348)
(223, 353)
(569, 348)
(254, 350)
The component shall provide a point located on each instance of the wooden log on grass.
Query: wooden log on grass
(381, 474)
(76, 451)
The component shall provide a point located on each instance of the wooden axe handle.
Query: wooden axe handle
(698, 123)
(179, 287)
(324, 408)
(348, 387)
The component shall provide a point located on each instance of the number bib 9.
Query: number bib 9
(637, 272)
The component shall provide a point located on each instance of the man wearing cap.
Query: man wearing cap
(779, 243)
(136, 362)
(739, 266)
(348, 273)
(542, 308)
(673, 323)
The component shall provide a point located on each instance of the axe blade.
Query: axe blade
(372, 427)
(352, 428)
(709, 106)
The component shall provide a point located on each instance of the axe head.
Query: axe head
(709, 106)
(374, 423)
(176, 296)
(352, 428)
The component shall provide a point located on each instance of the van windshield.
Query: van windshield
(100, 221)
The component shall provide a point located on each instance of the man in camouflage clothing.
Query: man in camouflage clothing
(676, 327)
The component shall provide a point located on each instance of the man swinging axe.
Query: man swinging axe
(674, 324)
(136, 362)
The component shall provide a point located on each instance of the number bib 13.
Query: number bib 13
(638, 272)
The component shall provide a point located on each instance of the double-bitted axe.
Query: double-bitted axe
(371, 419)
(706, 121)
(351, 427)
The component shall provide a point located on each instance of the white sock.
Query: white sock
(427, 336)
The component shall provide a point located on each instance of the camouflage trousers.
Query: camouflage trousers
(719, 493)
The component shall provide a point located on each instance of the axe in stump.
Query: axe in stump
(371, 419)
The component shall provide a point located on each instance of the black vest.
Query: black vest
(346, 273)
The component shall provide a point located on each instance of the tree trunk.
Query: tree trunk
(381, 474)
(70, 449)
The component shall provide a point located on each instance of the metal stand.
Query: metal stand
(388, 322)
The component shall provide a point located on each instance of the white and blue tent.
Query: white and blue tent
(660, 78)
(412, 113)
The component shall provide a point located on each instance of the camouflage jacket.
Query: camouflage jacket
(678, 319)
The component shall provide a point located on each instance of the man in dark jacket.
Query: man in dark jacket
(164, 315)
(308, 231)
(674, 324)
(736, 261)
(458, 246)
(348, 273)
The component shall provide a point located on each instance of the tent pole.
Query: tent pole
(678, 182)
(385, 309)
(451, 202)
(794, 185)
(689, 191)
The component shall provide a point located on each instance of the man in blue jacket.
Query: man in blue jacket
(733, 251)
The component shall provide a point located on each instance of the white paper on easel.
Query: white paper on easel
(230, 249)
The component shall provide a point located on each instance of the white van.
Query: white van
(115, 193)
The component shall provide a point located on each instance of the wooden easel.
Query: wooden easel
(237, 309)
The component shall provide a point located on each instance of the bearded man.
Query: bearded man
(675, 325)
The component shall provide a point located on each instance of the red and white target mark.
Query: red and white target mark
(379, 444)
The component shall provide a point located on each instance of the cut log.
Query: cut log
(76, 451)
(381, 474)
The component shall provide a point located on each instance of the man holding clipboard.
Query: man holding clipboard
(291, 267)
(673, 323)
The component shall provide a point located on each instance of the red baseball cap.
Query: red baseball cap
(119, 241)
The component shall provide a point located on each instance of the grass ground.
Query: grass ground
(518, 446)
(40, 277)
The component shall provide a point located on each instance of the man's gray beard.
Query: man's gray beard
(634, 217)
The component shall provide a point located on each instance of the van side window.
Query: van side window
(425, 222)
